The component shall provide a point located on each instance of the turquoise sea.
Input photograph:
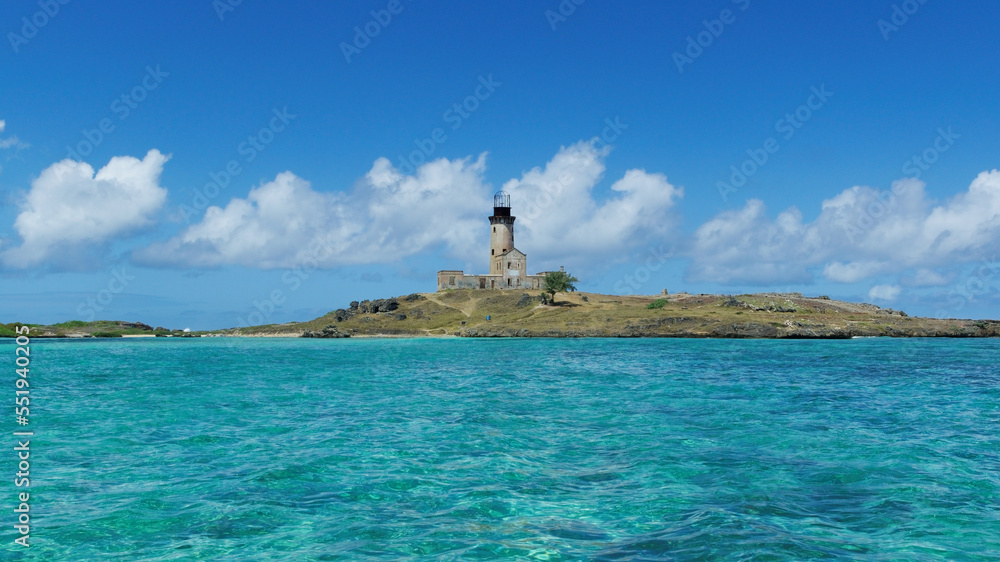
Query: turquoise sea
(600, 449)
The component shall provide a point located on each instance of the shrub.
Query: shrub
(558, 282)
(658, 303)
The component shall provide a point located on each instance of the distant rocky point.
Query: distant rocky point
(94, 329)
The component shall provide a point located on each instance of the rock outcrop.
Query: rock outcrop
(377, 306)
(771, 306)
(745, 330)
(374, 307)
(527, 300)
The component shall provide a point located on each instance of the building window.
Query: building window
(508, 281)
(494, 229)
(493, 252)
(508, 265)
(451, 280)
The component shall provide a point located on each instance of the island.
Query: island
(476, 313)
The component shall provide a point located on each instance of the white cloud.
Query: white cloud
(69, 206)
(10, 142)
(746, 247)
(560, 219)
(860, 233)
(884, 292)
(285, 222)
(854, 271)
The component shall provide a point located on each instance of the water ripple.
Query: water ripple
(521, 449)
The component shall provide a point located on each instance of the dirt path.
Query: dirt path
(434, 299)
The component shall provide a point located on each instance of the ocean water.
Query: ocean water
(602, 449)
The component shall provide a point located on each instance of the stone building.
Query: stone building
(508, 265)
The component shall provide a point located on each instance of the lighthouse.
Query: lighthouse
(501, 231)
(508, 265)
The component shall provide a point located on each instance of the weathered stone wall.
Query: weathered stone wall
(458, 280)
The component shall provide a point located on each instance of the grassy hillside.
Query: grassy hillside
(520, 313)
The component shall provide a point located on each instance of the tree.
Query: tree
(558, 282)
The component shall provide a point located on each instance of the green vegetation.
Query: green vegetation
(657, 304)
(558, 282)
(97, 328)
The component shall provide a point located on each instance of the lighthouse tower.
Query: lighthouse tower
(505, 260)
(501, 229)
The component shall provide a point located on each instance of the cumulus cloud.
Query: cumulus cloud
(745, 246)
(69, 206)
(285, 222)
(860, 233)
(884, 292)
(444, 204)
(560, 218)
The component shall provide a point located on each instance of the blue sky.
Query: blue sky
(273, 162)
